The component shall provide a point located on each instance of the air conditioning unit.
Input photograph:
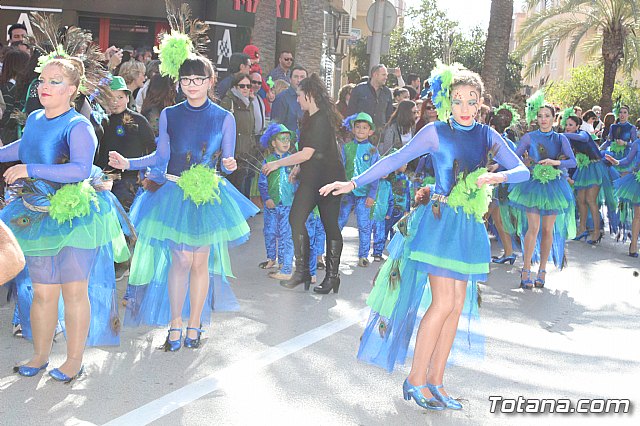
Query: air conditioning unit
(345, 25)
(329, 23)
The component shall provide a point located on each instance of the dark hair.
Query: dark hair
(588, 115)
(284, 51)
(575, 119)
(403, 116)
(638, 123)
(299, 68)
(152, 68)
(197, 65)
(500, 120)
(412, 77)
(609, 119)
(160, 94)
(412, 92)
(344, 91)
(16, 27)
(14, 64)
(236, 60)
(550, 108)
(625, 107)
(399, 91)
(238, 77)
(27, 76)
(315, 88)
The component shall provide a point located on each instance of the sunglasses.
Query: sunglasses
(430, 108)
(244, 86)
(256, 82)
(287, 59)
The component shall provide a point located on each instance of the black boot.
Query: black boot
(332, 278)
(301, 274)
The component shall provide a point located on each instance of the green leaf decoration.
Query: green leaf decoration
(582, 160)
(466, 194)
(545, 173)
(201, 184)
(71, 201)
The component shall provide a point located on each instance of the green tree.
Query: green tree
(610, 27)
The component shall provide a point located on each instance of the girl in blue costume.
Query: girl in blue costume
(621, 136)
(546, 200)
(185, 226)
(591, 175)
(65, 220)
(447, 244)
(627, 190)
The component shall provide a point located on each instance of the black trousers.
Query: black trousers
(304, 201)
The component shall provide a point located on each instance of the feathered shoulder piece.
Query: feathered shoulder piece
(509, 112)
(534, 103)
(440, 86)
(566, 113)
(187, 37)
(53, 41)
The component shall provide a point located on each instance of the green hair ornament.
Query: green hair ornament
(534, 103)
(175, 48)
(440, 83)
(582, 160)
(568, 112)
(270, 82)
(71, 201)
(545, 173)
(466, 194)
(57, 53)
(515, 116)
(201, 184)
(616, 107)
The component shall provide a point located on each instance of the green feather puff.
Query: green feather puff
(615, 147)
(616, 107)
(568, 112)
(515, 116)
(466, 194)
(582, 160)
(71, 201)
(201, 184)
(545, 173)
(638, 176)
(45, 59)
(534, 103)
(175, 48)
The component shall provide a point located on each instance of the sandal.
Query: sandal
(526, 284)
(539, 282)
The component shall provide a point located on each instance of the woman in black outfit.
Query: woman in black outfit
(320, 163)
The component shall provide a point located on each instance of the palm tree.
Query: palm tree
(610, 27)
(264, 34)
(310, 34)
(496, 51)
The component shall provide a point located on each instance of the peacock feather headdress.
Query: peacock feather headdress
(440, 86)
(566, 113)
(510, 112)
(534, 103)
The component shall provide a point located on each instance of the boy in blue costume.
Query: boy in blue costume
(382, 210)
(276, 192)
(358, 155)
(401, 199)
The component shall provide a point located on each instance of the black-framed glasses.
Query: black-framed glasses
(244, 86)
(256, 82)
(196, 81)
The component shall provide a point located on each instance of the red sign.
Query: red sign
(287, 9)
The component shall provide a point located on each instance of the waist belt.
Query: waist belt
(440, 198)
(172, 178)
(99, 184)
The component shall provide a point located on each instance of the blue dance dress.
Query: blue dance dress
(437, 239)
(171, 219)
(65, 218)
(627, 188)
(626, 132)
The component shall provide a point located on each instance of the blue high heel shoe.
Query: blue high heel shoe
(446, 400)
(27, 371)
(633, 254)
(526, 284)
(594, 242)
(173, 345)
(193, 343)
(61, 377)
(409, 391)
(504, 259)
(585, 234)
(539, 282)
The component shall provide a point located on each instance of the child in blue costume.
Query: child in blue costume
(621, 136)
(446, 244)
(382, 210)
(590, 177)
(65, 219)
(358, 155)
(277, 192)
(627, 190)
(545, 202)
(401, 190)
(185, 226)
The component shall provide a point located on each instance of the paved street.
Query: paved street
(288, 357)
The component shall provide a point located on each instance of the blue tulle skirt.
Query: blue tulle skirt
(627, 189)
(170, 227)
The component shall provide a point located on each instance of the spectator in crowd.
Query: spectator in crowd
(343, 98)
(400, 128)
(259, 109)
(413, 80)
(238, 63)
(283, 71)
(373, 97)
(160, 95)
(151, 68)
(15, 63)
(17, 33)
(400, 94)
(428, 113)
(286, 109)
(133, 73)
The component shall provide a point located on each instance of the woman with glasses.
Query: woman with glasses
(239, 101)
(188, 214)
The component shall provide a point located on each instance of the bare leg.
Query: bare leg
(44, 317)
(198, 288)
(592, 203)
(447, 335)
(581, 200)
(181, 262)
(547, 240)
(530, 238)
(77, 316)
(635, 230)
(504, 236)
(431, 326)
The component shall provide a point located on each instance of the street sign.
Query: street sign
(390, 16)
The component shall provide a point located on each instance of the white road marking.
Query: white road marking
(225, 378)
